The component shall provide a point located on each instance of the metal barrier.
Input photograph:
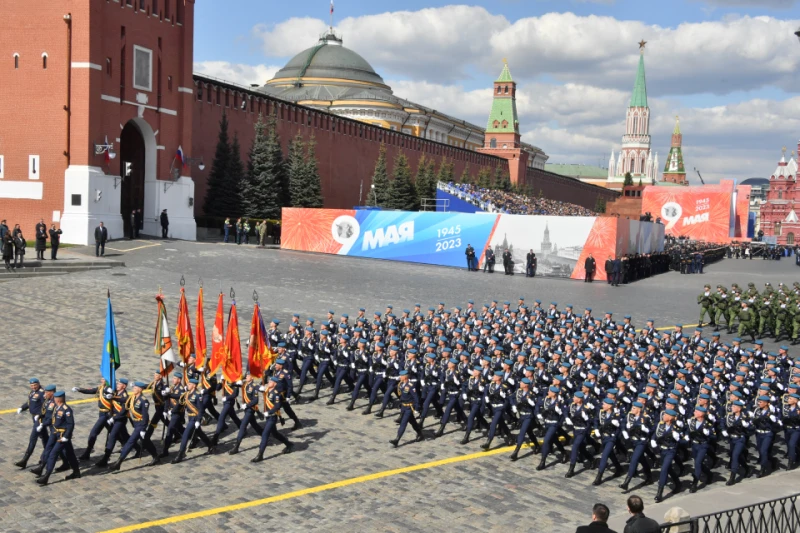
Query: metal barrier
(775, 516)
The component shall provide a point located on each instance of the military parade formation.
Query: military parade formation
(594, 388)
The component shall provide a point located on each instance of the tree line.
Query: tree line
(269, 182)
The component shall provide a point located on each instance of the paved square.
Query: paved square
(54, 330)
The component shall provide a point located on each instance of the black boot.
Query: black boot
(104, 460)
(420, 437)
(297, 425)
(330, 401)
(114, 467)
(541, 465)
(179, 458)
(394, 442)
(289, 448)
(351, 406)
(63, 467)
(660, 494)
(731, 480)
(368, 410)
(624, 485)
(379, 414)
(258, 458)
(86, 455)
(465, 440)
(155, 460)
(24, 461)
(598, 480)
(43, 479)
(76, 474)
(439, 432)
(38, 470)
(235, 449)
(571, 471)
(693, 488)
(164, 453)
(486, 445)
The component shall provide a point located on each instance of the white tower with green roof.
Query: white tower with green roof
(635, 156)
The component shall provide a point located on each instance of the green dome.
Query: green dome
(329, 59)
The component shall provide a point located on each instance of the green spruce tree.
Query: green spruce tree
(379, 189)
(262, 191)
(485, 178)
(222, 195)
(313, 182)
(465, 176)
(295, 169)
(402, 193)
(425, 181)
(446, 171)
(628, 180)
(600, 205)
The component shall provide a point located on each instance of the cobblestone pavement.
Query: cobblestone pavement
(54, 330)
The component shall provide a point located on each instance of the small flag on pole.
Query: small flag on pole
(331, 7)
(162, 343)
(179, 156)
(110, 361)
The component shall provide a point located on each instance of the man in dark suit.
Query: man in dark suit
(164, 224)
(599, 518)
(100, 238)
(589, 266)
(489, 260)
(609, 270)
(616, 270)
(638, 522)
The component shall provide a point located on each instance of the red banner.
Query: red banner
(232, 364)
(217, 339)
(259, 354)
(200, 347)
(700, 213)
(183, 330)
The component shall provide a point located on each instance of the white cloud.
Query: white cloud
(236, 72)
(776, 4)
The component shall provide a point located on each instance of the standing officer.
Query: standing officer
(272, 410)
(118, 421)
(193, 401)
(138, 409)
(471, 262)
(523, 404)
(530, 264)
(589, 266)
(409, 404)
(63, 423)
(508, 263)
(609, 266)
(104, 395)
(34, 404)
(250, 398)
(489, 260)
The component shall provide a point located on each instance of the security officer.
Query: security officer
(193, 401)
(138, 409)
(34, 405)
(250, 398)
(118, 421)
(63, 423)
(523, 404)
(409, 404)
(550, 414)
(701, 434)
(607, 428)
(272, 410)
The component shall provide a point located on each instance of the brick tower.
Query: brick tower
(502, 131)
(674, 171)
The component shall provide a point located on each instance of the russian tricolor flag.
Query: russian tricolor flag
(179, 155)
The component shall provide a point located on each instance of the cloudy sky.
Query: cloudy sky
(729, 68)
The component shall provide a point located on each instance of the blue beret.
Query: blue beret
(33, 380)
(499, 373)
(280, 361)
(609, 401)
(379, 344)
(276, 321)
(393, 348)
(701, 409)
(59, 394)
(589, 309)
(324, 332)
(530, 368)
(430, 355)
(411, 350)
(296, 315)
(177, 375)
(309, 329)
(526, 381)
(446, 349)
(705, 396)
(739, 403)
(310, 320)
(763, 398)
(553, 388)
(281, 345)
(613, 392)
(453, 361)
(362, 341)
(579, 394)
(509, 362)
(275, 379)
(140, 384)
(638, 404)
(487, 358)
(194, 381)
(795, 396)
(622, 379)
(50, 388)
(671, 412)
(404, 372)
(124, 381)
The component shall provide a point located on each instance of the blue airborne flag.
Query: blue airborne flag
(110, 361)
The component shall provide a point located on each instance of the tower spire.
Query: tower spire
(639, 97)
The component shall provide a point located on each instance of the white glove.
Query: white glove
(141, 434)
(590, 406)
(164, 391)
(514, 409)
(224, 398)
(653, 444)
(182, 364)
(625, 434)
(201, 391)
(539, 416)
(239, 382)
(558, 409)
(583, 415)
(109, 396)
(352, 365)
(63, 439)
(168, 414)
(464, 397)
(646, 429)
(196, 425)
(442, 387)
(724, 433)
(422, 383)
(19, 410)
(596, 433)
(745, 423)
(626, 399)
(261, 388)
(35, 418)
(705, 432)
(682, 410)
(201, 368)
(110, 422)
(568, 421)
(39, 428)
(74, 389)
(109, 390)
(615, 423)
(772, 417)
(676, 435)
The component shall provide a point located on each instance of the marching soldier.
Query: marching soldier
(250, 391)
(409, 404)
(285, 389)
(523, 404)
(451, 387)
(34, 405)
(230, 393)
(665, 438)
(550, 414)
(635, 434)
(174, 411)
(495, 400)
(706, 303)
(473, 395)
(272, 410)
(765, 423)
(736, 428)
(791, 423)
(63, 424)
(701, 434)
(341, 359)
(138, 409)
(157, 386)
(118, 421)
(104, 395)
(193, 401)
(607, 428)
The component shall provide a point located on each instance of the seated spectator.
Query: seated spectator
(497, 201)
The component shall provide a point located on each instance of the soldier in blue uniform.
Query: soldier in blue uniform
(138, 409)
(33, 405)
(665, 438)
(580, 418)
(118, 421)
(450, 391)
(174, 411)
(63, 424)
(607, 429)
(473, 394)
(250, 391)
(193, 402)
(46, 428)
(272, 410)
(360, 365)
(495, 398)
(635, 434)
(308, 351)
(104, 394)
(430, 381)
(409, 405)
(160, 402)
(392, 368)
(736, 428)
(523, 404)
(766, 424)
(280, 371)
(701, 434)
(377, 375)
(341, 360)
(323, 358)
(790, 414)
(550, 414)
(230, 392)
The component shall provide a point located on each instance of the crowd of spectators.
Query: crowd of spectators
(498, 201)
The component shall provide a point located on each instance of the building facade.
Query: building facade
(635, 157)
(674, 170)
(779, 213)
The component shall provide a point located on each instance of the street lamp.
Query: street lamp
(105, 148)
